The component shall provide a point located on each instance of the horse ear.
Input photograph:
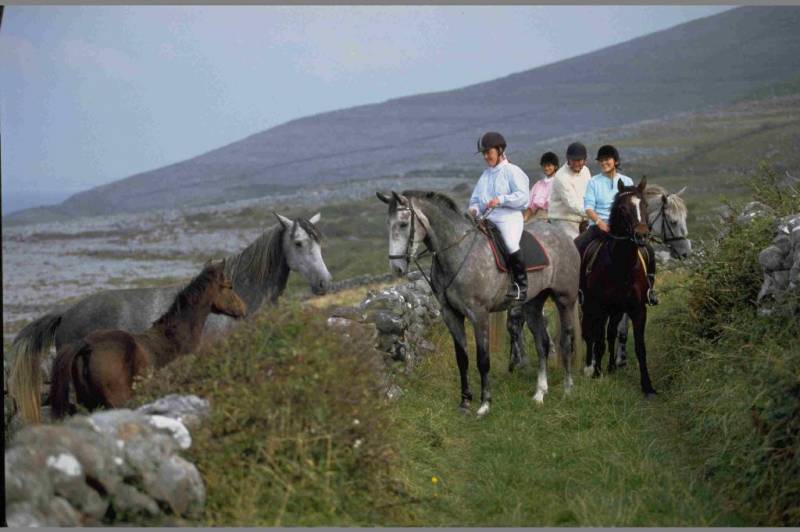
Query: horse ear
(643, 184)
(620, 186)
(664, 199)
(399, 199)
(681, 191)
(315, 219)
(383, 197)
(286, 222)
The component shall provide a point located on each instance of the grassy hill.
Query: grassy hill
(710, 61)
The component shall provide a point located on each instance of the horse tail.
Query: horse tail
(62, 374)
(25, 379)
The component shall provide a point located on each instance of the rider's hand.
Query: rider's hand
(602, 226)
(474, 212)
(494, 202)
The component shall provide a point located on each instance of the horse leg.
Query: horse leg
(480, 325)
(587, 316)
(611, 337)
(599, 340)
(622, 340)
(514, 323)
(566, 340)
(538, 326)
(455, 324)
(639, 319)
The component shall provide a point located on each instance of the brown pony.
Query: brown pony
(103, 365)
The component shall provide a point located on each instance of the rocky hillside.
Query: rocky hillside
(714, 60)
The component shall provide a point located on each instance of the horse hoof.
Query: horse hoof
(538, 397)
(483, 410)
(650, 394)
(588, 371)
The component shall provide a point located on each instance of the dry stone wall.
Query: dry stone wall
(113, 467)
(781, 264)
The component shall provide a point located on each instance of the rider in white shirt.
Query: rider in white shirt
(503, 187)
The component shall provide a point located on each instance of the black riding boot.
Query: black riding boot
(518, 290)
(652, 298)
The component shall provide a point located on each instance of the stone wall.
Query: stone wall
(781, 264)
(113, 467)
(397, 318)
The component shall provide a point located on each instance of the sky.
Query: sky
(93, 94)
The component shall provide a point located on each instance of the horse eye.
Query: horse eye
(403, 224)
(299, 244)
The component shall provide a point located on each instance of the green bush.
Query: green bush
(298, 430)
(738, 373)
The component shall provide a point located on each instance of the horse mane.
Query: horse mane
(264, 259)
(187, 297)
(438, 198)
(675, 204)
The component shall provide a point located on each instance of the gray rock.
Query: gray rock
(387, 322)
(188, 409)
(178, 483)
(350, 313)
(771, 258)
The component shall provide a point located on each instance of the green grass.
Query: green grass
(601, 456)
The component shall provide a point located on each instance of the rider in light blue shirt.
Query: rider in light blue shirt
(600, 192)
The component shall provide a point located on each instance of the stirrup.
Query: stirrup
(515, 297)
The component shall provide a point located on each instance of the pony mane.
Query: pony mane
(675, 205)
(264, 257)
(438, 198)
(189, 296)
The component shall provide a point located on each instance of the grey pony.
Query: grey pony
(259, 274)
(666, 215)
(468, 285)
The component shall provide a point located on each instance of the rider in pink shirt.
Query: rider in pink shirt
(540, 193)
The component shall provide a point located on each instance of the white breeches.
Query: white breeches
(510, 223)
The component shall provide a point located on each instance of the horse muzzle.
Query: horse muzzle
(398, 266)
(640, 233)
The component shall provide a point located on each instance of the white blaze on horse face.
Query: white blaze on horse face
(637, 205)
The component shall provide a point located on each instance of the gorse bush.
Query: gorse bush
(297, 434)
(738, 373)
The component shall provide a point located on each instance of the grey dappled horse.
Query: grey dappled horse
(259, 274)
(666, 216)
(468, 285)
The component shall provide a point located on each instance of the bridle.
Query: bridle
(413, 244)
(631, 235)
(666, 239)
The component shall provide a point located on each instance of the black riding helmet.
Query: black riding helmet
(607, 151)
(576, 152)
(489, 140)
(549, 158)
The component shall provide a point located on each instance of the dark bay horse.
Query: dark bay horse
(259, 274)
(666, 216)
(102, 366)
(614, 281)
(468, 285)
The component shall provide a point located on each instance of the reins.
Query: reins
(411, 255)
(664, 227)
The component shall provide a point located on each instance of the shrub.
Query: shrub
(298, 431)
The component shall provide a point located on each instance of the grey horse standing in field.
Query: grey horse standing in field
(666, 216)
(467, 283)
(259, 274)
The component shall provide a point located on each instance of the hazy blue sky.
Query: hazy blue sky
(89, 95)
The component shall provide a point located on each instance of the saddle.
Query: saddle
(533, 252)
(593, 249)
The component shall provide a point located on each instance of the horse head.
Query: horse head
(303, 253)
(224, 300)
(407, 229)
(669, 223)
(629, 213)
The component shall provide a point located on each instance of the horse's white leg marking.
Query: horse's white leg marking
(484, 409)
(541, 381)
(589, 370)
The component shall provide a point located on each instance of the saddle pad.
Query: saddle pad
(533, 252)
